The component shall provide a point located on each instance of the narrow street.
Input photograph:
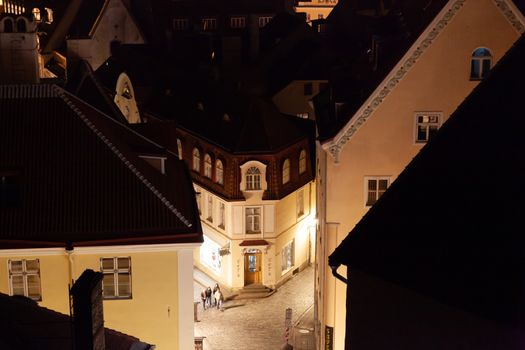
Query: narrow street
(257, 324)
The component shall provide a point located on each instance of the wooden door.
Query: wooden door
(252, 268)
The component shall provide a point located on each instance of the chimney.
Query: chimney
(88, 316)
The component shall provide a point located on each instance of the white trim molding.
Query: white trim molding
(336, 144)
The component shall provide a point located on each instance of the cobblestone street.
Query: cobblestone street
(256, 324)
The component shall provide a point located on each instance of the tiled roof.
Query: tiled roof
(80, 178)
(451, 226)
(27, 326)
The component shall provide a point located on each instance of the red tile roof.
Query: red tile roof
(80, 179)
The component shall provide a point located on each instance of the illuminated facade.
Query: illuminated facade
(396, 118)
(315, 9)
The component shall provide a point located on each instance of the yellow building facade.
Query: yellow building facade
(426, 86)
(159, 307)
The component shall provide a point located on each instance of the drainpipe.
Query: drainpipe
(71, 264)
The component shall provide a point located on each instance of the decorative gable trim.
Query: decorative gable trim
(424, 41)
(121, 156)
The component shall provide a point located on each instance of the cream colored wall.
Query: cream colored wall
(315, 9)
(54, 274)
(384, 145)
(291, 99)
(152, 313)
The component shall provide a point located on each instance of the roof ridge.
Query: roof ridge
(62, 94)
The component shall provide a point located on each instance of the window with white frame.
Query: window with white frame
(253, 179)
(237, 22)
(219, 172)
(207, 165)
(427, 125)
(180, 24)
(264, 20)
(300, 203)
(209, 24)
(288, 257)
(375, 187)
(302, 161)
(480, 63)
(196, 164)
(116, 283)
(24, 278)
(179, 148)
(222, 215)
(210, 208)
(286, 171)
(253, 220)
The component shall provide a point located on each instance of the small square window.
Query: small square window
(427, 125)
(376, 186)
(116, 282)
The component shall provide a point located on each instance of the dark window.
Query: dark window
(480, 63)
(21, 26)
(308, 89)
(8, 26)
(9, 190)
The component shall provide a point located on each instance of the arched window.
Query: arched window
(302, 161)
(253, 179)
(286, 170)
(8, 25)
(36, 13)
(480, 63)
(179, 148)
(196, 165)
(219, 172)
(21, 25)
(207, 165)
(49, 16)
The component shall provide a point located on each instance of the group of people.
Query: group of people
(212, 298)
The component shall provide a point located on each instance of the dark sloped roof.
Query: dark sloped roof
(86, 18)
(81, 180)
(27, 326)
(451, 225)
(351, 31)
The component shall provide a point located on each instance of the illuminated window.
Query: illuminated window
(198, 197)
(264, 21)
(196, 165)
(376, 186)
(302, 161)
(286, 171)
(480, 63)
(49, 15)
(237, 22)
(207, 166)
(300, 203)
(36, 14)
(24, 278)
(209, 24)
(253, 179)
(222, 215)
(288, 257)
(116, 283)
(179, 148)
(427, 125)
(219, 172)
(305, 115)
(180, 24)
(253, 220)
(320, 16)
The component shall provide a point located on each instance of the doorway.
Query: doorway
(252, 267)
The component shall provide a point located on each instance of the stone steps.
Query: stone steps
(254, 291)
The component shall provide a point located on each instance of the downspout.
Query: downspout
(71, 264)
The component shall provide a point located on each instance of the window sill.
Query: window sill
(118, 298)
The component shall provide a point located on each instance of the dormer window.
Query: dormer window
(9, 189)
(156, 162)
(49, 15)
(196, 164)
(253, 179)
(179, 148)
(207, 166)
(126, 93)
(286, 171)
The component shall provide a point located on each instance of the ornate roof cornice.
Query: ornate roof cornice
(334, 146)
